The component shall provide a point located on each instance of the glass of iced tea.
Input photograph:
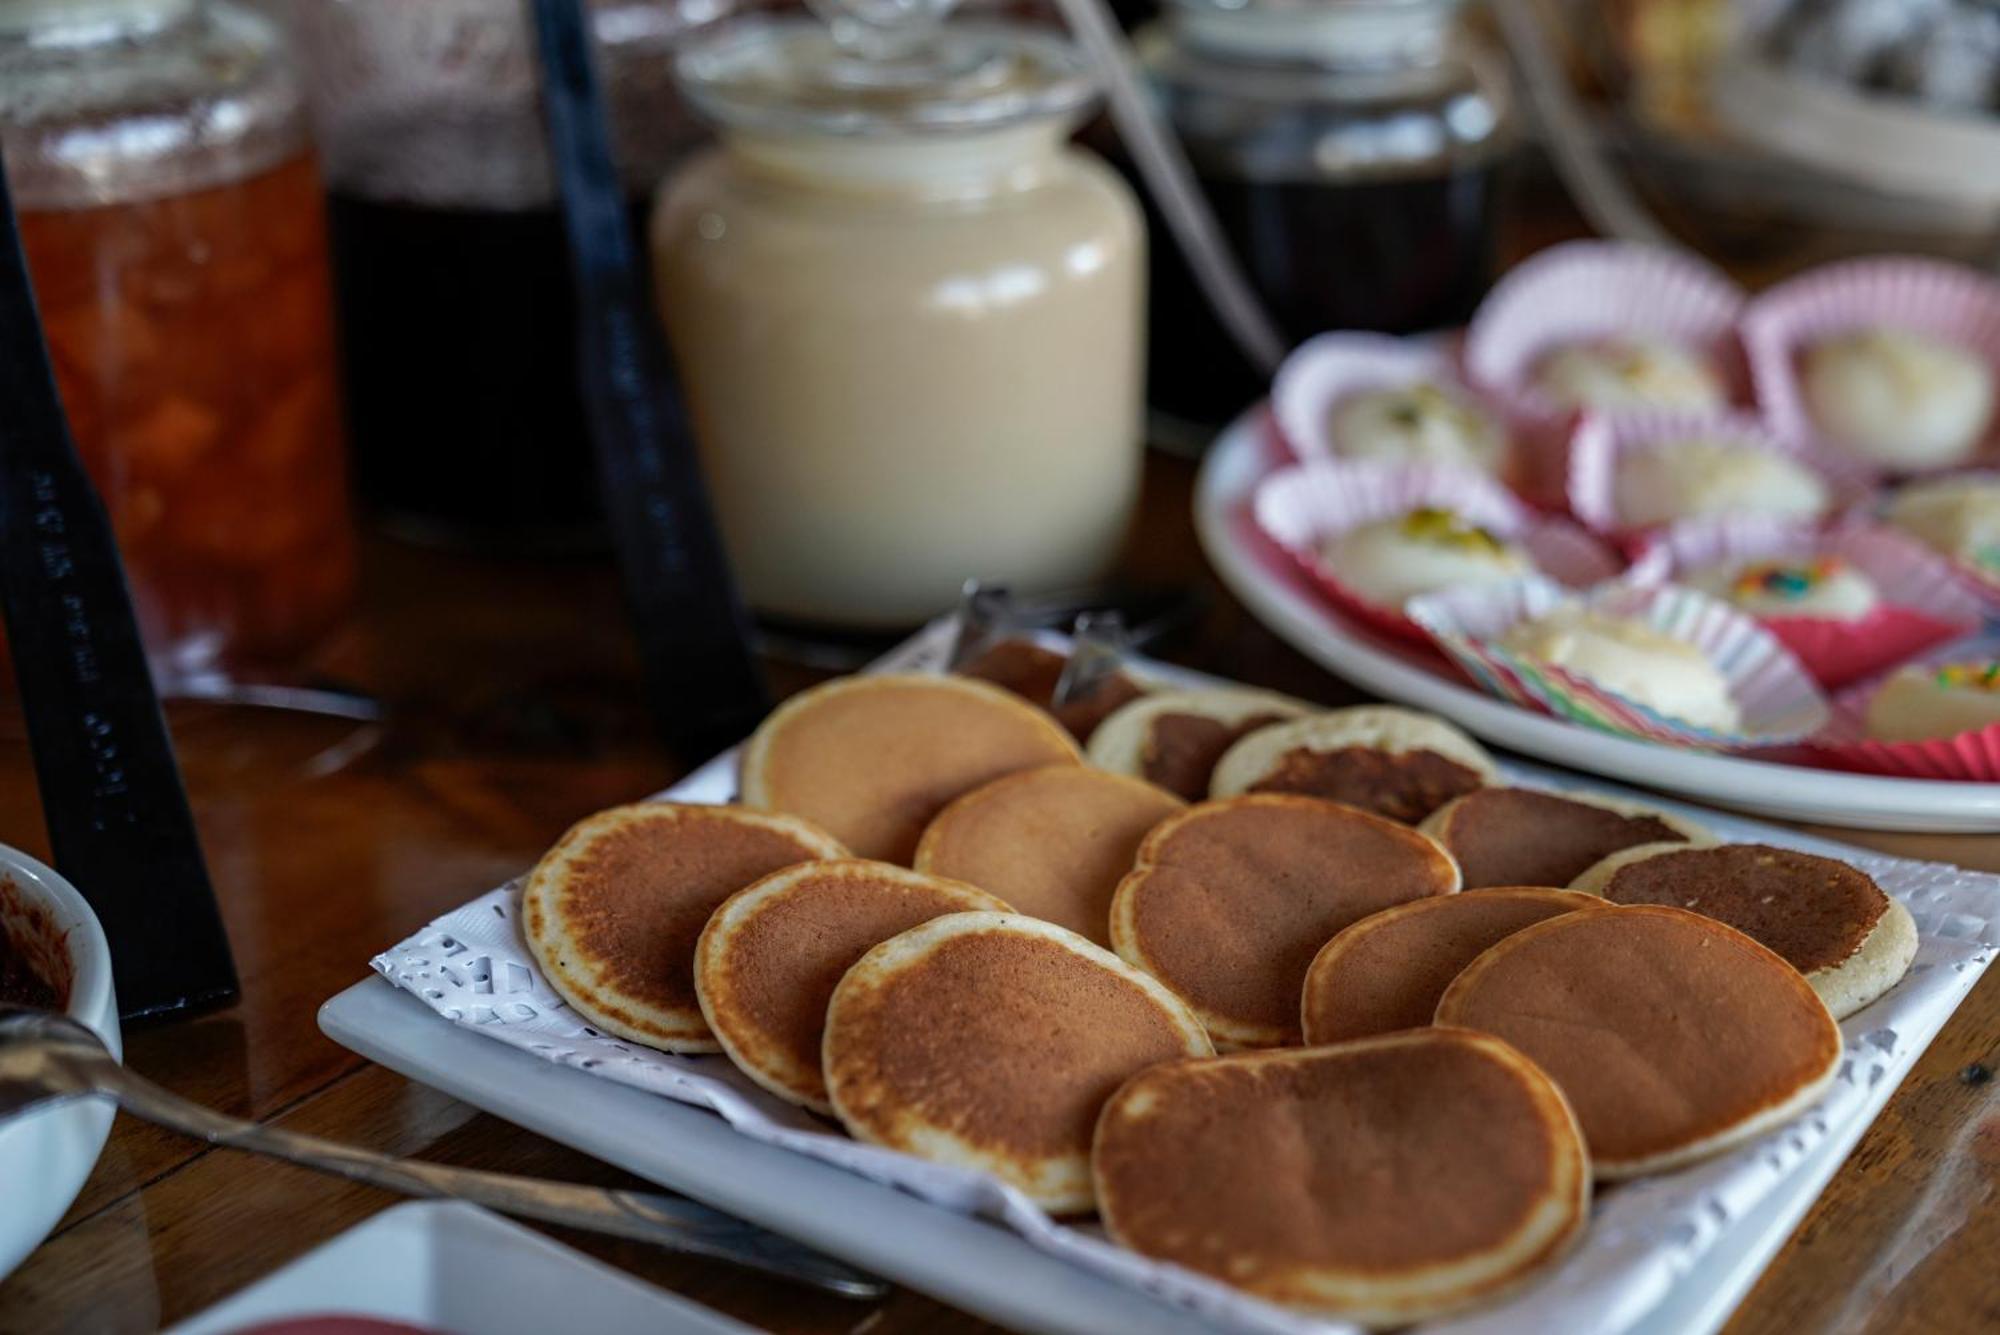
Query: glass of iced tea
(175, 229)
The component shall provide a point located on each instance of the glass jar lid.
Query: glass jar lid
(1333, 34)
(855, 75)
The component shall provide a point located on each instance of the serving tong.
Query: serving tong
(47, 1058)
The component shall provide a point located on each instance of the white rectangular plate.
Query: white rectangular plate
(1280, 597)
(456, 1269)
(1656, 1251)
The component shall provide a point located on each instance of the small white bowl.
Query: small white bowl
(45, 1155)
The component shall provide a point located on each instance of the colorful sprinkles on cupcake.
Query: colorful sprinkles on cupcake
(1970, 676)
(1392, 560)
(1824, 586)
(1922, 702)
(1785, 581)
(1445, 528)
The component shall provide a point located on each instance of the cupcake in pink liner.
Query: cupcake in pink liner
(1657, 662)
(1848, 599)
(1629, 475)
(1608, 327)
(1892, 362)
(1956, 515)
(1936, 718)
(1363, 397)
(1371, 536)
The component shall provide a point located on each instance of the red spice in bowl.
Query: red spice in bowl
(34, 965)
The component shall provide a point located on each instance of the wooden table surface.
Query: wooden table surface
(512, 712)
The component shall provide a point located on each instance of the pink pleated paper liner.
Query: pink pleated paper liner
(1971, 757)
(1594, 289)
(1947, 301)
(1925, 599)
(1300, 508)
(1777, 698)
(1601, 443)
(1983, 581)
(1322, 371)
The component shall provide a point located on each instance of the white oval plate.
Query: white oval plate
(1263, 578)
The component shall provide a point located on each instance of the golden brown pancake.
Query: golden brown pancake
(1829, 920)
(1519, 836)
(1053, 842)
(1387, 971)
(1384, 1181)
(1231, 900)
(613, 911)
(1672, 1035)
(769, 958)
(990, 1040)
(872, 759)
(1033, 672)
(1393, 762)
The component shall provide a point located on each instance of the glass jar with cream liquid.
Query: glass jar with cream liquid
(907, 314)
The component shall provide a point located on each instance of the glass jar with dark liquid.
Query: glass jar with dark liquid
(1354, 153)
(457, 319)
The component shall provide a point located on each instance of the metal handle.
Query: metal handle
(677, 1225)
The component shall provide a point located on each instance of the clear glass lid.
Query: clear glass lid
(882, 67)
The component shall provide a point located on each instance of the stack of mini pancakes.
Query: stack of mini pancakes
(1449, 1005)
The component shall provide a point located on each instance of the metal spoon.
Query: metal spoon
(46, 1058)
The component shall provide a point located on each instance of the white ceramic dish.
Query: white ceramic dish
(46, 1155)
(1674, 1254)
(455, 1268)
(1278, 595)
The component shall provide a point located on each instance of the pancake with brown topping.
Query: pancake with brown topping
(990, 1041)
(1522, 836)
(613, 911)
(871, 759)
(1052, 842)
(769, 959)
(1230, 901)
(1672, 1035)
(1387, 971)
(1033, 672)
(1383, 1181)
(1829, 920)
(1392, 762)
(1174, 738)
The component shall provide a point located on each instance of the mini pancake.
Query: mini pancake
(872, 758)
(1032, 672)
(1052, 842)
(1392, 762)
(769, 959)
(1174, 738)
(1384, 1181)
(613, 911)
(1387, 971)
(990, 1041)
(1672, 1035)
(1230, 901)
(1829, 920)
(1522, 836)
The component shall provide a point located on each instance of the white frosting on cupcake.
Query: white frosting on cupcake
(1689, 478)
(1629, 371)
(1898, 398)
(1391, 561)
(1959, 516)
(1823, 586)
(1422, 422)
(1669, 676)
(1939, 700)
